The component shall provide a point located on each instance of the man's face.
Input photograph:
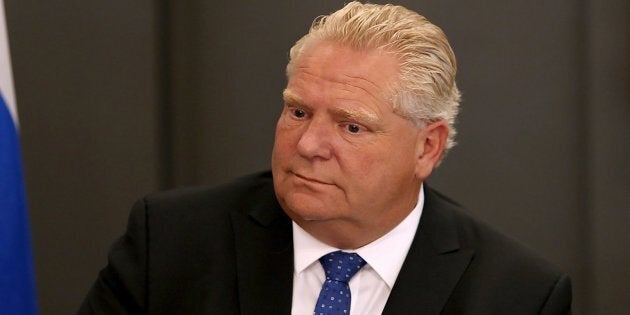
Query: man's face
(341, 154)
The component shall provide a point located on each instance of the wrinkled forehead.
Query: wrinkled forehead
(373, 71)
(378, 67)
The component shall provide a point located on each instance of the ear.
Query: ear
(430, 146)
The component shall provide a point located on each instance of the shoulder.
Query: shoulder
(487, 242)
(241, 193)
(201, 212)
(500, 265)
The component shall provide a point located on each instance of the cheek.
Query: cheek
(371, 169)
(284, 143)
(358, 167)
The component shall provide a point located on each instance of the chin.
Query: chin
(305, 208)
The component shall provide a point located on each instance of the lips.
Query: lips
(310, 179)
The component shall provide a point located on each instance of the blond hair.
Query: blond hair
(426, 90)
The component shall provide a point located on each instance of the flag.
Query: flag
(17, 283)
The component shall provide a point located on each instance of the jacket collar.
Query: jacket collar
(434, 264)
(264, 252)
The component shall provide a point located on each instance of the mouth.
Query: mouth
(309, 179)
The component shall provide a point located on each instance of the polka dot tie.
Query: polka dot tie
(334, 298)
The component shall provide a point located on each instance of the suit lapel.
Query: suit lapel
(434, 264)
(264, 249)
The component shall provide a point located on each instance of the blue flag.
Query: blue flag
(17, 284)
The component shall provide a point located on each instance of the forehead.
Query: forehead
(332, 68)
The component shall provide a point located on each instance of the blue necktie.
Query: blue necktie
(334, 298)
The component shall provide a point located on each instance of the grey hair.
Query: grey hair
(426, 90)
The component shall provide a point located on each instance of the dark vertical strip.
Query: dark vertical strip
(165, 109)
(584, 159)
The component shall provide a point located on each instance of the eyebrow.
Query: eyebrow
(291, 97)
(352, 114)
(358, 115)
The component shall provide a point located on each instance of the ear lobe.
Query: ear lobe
(431, 143)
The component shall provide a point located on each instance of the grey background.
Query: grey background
(120, 98)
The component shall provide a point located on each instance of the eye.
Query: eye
(353, 128)
(298, 113)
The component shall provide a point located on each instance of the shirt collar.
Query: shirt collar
(385, 255)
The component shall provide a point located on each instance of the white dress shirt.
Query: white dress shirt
(370, 287)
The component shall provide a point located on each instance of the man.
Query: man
(343, 224)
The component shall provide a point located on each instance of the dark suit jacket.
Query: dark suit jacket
(229, 250)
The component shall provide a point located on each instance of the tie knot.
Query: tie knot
(340, 266)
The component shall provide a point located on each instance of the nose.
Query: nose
(315, 141)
